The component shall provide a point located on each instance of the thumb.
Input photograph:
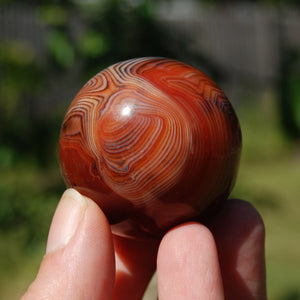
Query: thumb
(79, 261)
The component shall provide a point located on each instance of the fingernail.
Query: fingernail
(67, 218)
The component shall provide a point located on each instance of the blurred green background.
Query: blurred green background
(49, 49)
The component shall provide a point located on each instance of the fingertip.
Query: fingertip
(185, 237)
(187, 264)
(67, 217)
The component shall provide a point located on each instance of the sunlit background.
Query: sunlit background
(49, 49)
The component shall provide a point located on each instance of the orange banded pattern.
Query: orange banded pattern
(153, 141)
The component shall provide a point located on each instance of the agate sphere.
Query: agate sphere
(154, 142)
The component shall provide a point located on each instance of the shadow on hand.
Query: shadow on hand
(239, 234)
(135, 264)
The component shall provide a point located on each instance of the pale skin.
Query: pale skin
(83, 260)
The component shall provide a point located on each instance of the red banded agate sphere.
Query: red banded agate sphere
(154, 142)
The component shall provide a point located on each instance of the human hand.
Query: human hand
(225, 261)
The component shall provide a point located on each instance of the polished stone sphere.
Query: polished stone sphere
(154, 142)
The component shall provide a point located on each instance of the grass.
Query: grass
(269, 178)
(28, 199)
(272, 188)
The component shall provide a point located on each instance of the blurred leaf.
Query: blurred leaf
(6, 157)
(19, 74)
(295, 92)
(60, 48)
(18, 53)
(53, 14)
(93, 44)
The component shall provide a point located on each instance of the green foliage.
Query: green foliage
(22, 190)
(290, 93)
(53, 14)
(269, 179)
(60, 48)
(19, 75)
(7, 157)
(93, 44)
(29, 196)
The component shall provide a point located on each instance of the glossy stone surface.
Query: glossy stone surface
(154, 142)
